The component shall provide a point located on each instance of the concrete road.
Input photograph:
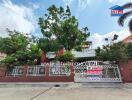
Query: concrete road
(64, 93)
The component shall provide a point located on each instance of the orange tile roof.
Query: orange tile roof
(128, 39)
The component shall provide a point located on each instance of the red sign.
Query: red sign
(95, 70)
(117, 11)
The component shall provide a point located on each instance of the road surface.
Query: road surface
(65, 93)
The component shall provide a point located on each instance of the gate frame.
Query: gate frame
(96, 63)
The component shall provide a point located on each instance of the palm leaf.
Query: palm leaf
(123, 17)
(127, 5)
(130, 25)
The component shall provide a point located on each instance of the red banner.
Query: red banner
(95, 70)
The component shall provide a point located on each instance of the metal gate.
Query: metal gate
(96, 71)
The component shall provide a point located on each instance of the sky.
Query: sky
(22, 15)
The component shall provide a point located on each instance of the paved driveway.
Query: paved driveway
(80, 93)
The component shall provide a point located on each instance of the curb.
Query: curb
(65, 84)
(41, 84)
(127, 85)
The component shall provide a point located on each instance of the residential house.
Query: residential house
(87, 52)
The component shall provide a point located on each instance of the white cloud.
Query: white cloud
(82, 4)
(16, 17)
(112, 0)
(68, 2)
(99, 39)
(119, 1)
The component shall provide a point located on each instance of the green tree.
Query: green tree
(59, 22)
(129, 50)
(126, 15)
(19, 58)
(68, 56)
(114, 52)
(19, 50)
(15, 42)
(111, 41)
(48, 45)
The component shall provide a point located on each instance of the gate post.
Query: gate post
(25, 69)
(72, 72)
(47, 70)
(2, 72)
(126, 70)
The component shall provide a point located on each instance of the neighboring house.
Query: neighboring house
(128, 39)
(51, 55)
(87, 51)
(2, 56)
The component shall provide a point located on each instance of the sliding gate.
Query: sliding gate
(95, 71)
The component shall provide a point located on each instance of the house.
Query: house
(128, 39)
(116, 10)
(86, 53)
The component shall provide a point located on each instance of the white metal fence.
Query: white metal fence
(89, 71)
(16, 71)
(40, 70)
(36, 70)
(59, 70)
(96, 71)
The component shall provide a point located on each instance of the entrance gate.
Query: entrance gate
(96, 71)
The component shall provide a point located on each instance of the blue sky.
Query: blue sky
(95, 14)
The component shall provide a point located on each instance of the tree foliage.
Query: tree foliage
(129, 50)
(22, 58)
(114, 52)
(19, 50)
(59, 22)
(68, 56)
(48, 45)
(127, 14)
(13, 43)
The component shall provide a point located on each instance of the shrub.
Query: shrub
(68, 56)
